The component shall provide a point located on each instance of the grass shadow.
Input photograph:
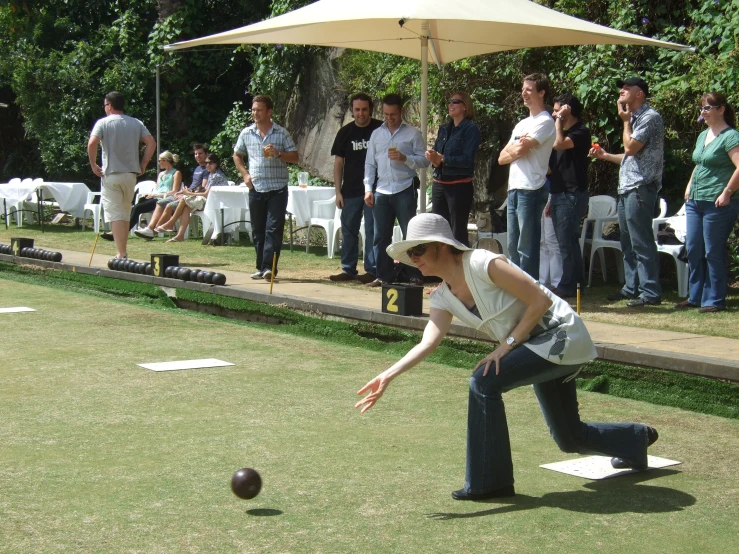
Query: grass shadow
(609, 496)
(264, 512)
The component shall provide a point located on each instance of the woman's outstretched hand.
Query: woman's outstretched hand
(376, 387)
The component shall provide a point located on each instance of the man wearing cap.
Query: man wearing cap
(639, 181)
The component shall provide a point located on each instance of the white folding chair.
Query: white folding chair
(598, 244)
(325, 214)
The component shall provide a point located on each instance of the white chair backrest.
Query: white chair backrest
(91, 197)
(144, 187)
(601, 206)
(323, 209)
(38, 180)
(15, 181)
(662, 207)
(27, 181)
(231, 184)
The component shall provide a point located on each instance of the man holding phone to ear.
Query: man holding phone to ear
(639, 182)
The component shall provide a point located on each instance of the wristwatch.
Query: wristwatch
(510, 341)
(279, 155)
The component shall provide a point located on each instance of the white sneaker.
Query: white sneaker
(256, 275)
(267, 275)
(144, 233)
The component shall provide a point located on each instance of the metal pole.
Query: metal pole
(158, 128)
(424, 106)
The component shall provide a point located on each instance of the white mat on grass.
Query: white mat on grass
(185, 364)
(13, 310)
(599, 467)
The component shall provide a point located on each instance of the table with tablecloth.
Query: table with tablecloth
(70, 197)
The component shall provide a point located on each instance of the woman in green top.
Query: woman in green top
(711, 206)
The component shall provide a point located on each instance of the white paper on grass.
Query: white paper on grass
(185, 364)
(599, 467)
(14, 310)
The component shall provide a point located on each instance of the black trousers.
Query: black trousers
(454, 203)
(143, 206)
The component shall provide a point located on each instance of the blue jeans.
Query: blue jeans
(524, 227)
(267, 212)
(351, 219)
(709, 228)
(388, 207)
(641, 261)
(568, 209)
(489, 464)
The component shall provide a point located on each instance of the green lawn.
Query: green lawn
(99, 455)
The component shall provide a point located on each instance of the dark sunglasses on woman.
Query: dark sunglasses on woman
(417, 251)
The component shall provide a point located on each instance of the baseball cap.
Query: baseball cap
(634, 82)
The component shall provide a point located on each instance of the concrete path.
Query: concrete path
(684, 352)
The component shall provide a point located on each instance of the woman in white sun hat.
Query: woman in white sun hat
(543, 343)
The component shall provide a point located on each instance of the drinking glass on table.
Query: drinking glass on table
(303, 179)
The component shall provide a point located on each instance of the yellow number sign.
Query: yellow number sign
(157, 267)
(392, 297)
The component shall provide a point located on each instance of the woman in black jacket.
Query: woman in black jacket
(453, 158)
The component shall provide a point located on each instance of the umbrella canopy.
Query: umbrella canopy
(455, 30)
(446, 30)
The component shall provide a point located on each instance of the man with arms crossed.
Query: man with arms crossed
(395, 152)
(120, 136)
(349, 151)
(528, 154)
(639, 181)
(269, 148)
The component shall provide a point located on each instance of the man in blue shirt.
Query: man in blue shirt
(394, 153)
(269, 148)
(639, 181)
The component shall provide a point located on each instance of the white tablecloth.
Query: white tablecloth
(232, 200)
(299, 201)
(71, 197)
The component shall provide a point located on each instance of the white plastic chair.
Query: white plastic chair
(14, 209)
(142, 188)
(598, 244)
(598, 206)
(95, 209)
(500, 238)
(682, 268)
(325, 214)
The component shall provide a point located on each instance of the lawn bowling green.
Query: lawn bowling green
(100, 455)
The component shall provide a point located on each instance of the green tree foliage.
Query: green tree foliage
(60, 57)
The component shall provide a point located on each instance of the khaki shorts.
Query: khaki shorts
(195, 203)
(117, 196)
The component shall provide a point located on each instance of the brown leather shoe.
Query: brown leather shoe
(709, 309)
(341, 277)
(684, 305)
(366, 278)
(375, 283)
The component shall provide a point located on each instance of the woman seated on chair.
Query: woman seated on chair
(169, 182)
(194, 201)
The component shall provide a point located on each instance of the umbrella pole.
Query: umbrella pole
(424, 107)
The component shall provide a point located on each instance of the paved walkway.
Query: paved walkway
(685, 352)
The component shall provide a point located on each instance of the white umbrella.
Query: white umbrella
(447, 30)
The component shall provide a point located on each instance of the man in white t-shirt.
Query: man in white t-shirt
(528, 154)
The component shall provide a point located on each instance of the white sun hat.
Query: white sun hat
(422, 229)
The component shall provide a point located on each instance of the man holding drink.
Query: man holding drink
(269, 149)
(394, 153)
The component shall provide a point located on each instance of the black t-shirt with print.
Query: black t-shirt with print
(351, 144)
(570, 167)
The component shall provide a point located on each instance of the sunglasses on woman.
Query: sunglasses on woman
(708, 108)
(417, 251)
(456, 101)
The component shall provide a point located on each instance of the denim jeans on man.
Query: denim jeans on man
(708, 228)
(489, 464)
(641, 261)
(388, 207)
(568, 209)
(267, 212)
(351, 219)
(524, 227)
